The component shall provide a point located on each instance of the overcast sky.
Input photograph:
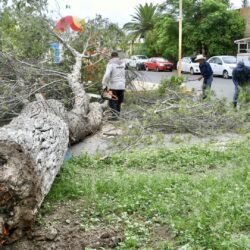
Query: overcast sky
(118, 11)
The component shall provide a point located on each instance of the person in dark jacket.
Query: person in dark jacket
(241, 80)
(206, 74)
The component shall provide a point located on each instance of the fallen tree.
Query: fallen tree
(173, 110)
(32, 149)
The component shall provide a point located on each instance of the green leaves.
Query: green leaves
(143, 21)
(25, 35)
(173, 83)
(209, 26)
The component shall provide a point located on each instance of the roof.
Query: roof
(222, 56)
(242, 40)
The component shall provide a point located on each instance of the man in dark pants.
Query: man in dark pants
(114, 80)
(206, 74)
(241, 79)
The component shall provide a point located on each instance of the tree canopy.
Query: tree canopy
(22, 29)
(209, 27)
(26, 56)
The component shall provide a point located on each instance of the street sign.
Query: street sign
(56, 52)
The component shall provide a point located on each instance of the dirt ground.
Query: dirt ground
(62, 230)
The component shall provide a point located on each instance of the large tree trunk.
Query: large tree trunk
(32, 149)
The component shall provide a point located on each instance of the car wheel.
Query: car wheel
(225, 74)
(192, 71)
(157, 69)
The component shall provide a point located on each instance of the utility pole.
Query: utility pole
(180, 38)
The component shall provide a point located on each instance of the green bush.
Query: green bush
(173, 83)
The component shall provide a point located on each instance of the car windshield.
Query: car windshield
(142, 57)
(229, 59)
(161, 59)
(193, 59)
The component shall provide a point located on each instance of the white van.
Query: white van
(137, 61)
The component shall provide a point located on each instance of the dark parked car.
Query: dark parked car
(159, 64)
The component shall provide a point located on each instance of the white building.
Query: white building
(243, 53)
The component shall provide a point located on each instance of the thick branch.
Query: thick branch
(81, 98)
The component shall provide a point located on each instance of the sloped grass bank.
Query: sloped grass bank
(189, 198)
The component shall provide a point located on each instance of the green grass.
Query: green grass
(200, 193)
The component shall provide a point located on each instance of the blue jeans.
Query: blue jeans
(207, 83)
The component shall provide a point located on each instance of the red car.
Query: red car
(158, 64)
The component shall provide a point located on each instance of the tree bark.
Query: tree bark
(84, 118)
(32, 149)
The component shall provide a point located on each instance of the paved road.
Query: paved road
(222, 87)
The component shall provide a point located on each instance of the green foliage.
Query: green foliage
(163, 40)
(220, 22)
(25, 6)
(244, 96)
(209, 26)
(144, 191)
(174, 83)
(102, 33)
(23, 31)
(25, 36)
(140, 49)
(175, 109)
(142, 22)
(101, 30)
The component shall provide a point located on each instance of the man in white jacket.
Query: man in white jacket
(114, 80)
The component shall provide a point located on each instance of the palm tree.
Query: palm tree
(142, 22)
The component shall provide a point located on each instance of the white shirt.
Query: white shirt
(114, 77)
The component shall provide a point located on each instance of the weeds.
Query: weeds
(144, 191)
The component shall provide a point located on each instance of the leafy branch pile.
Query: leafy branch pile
(20, 81)
(172, 110)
